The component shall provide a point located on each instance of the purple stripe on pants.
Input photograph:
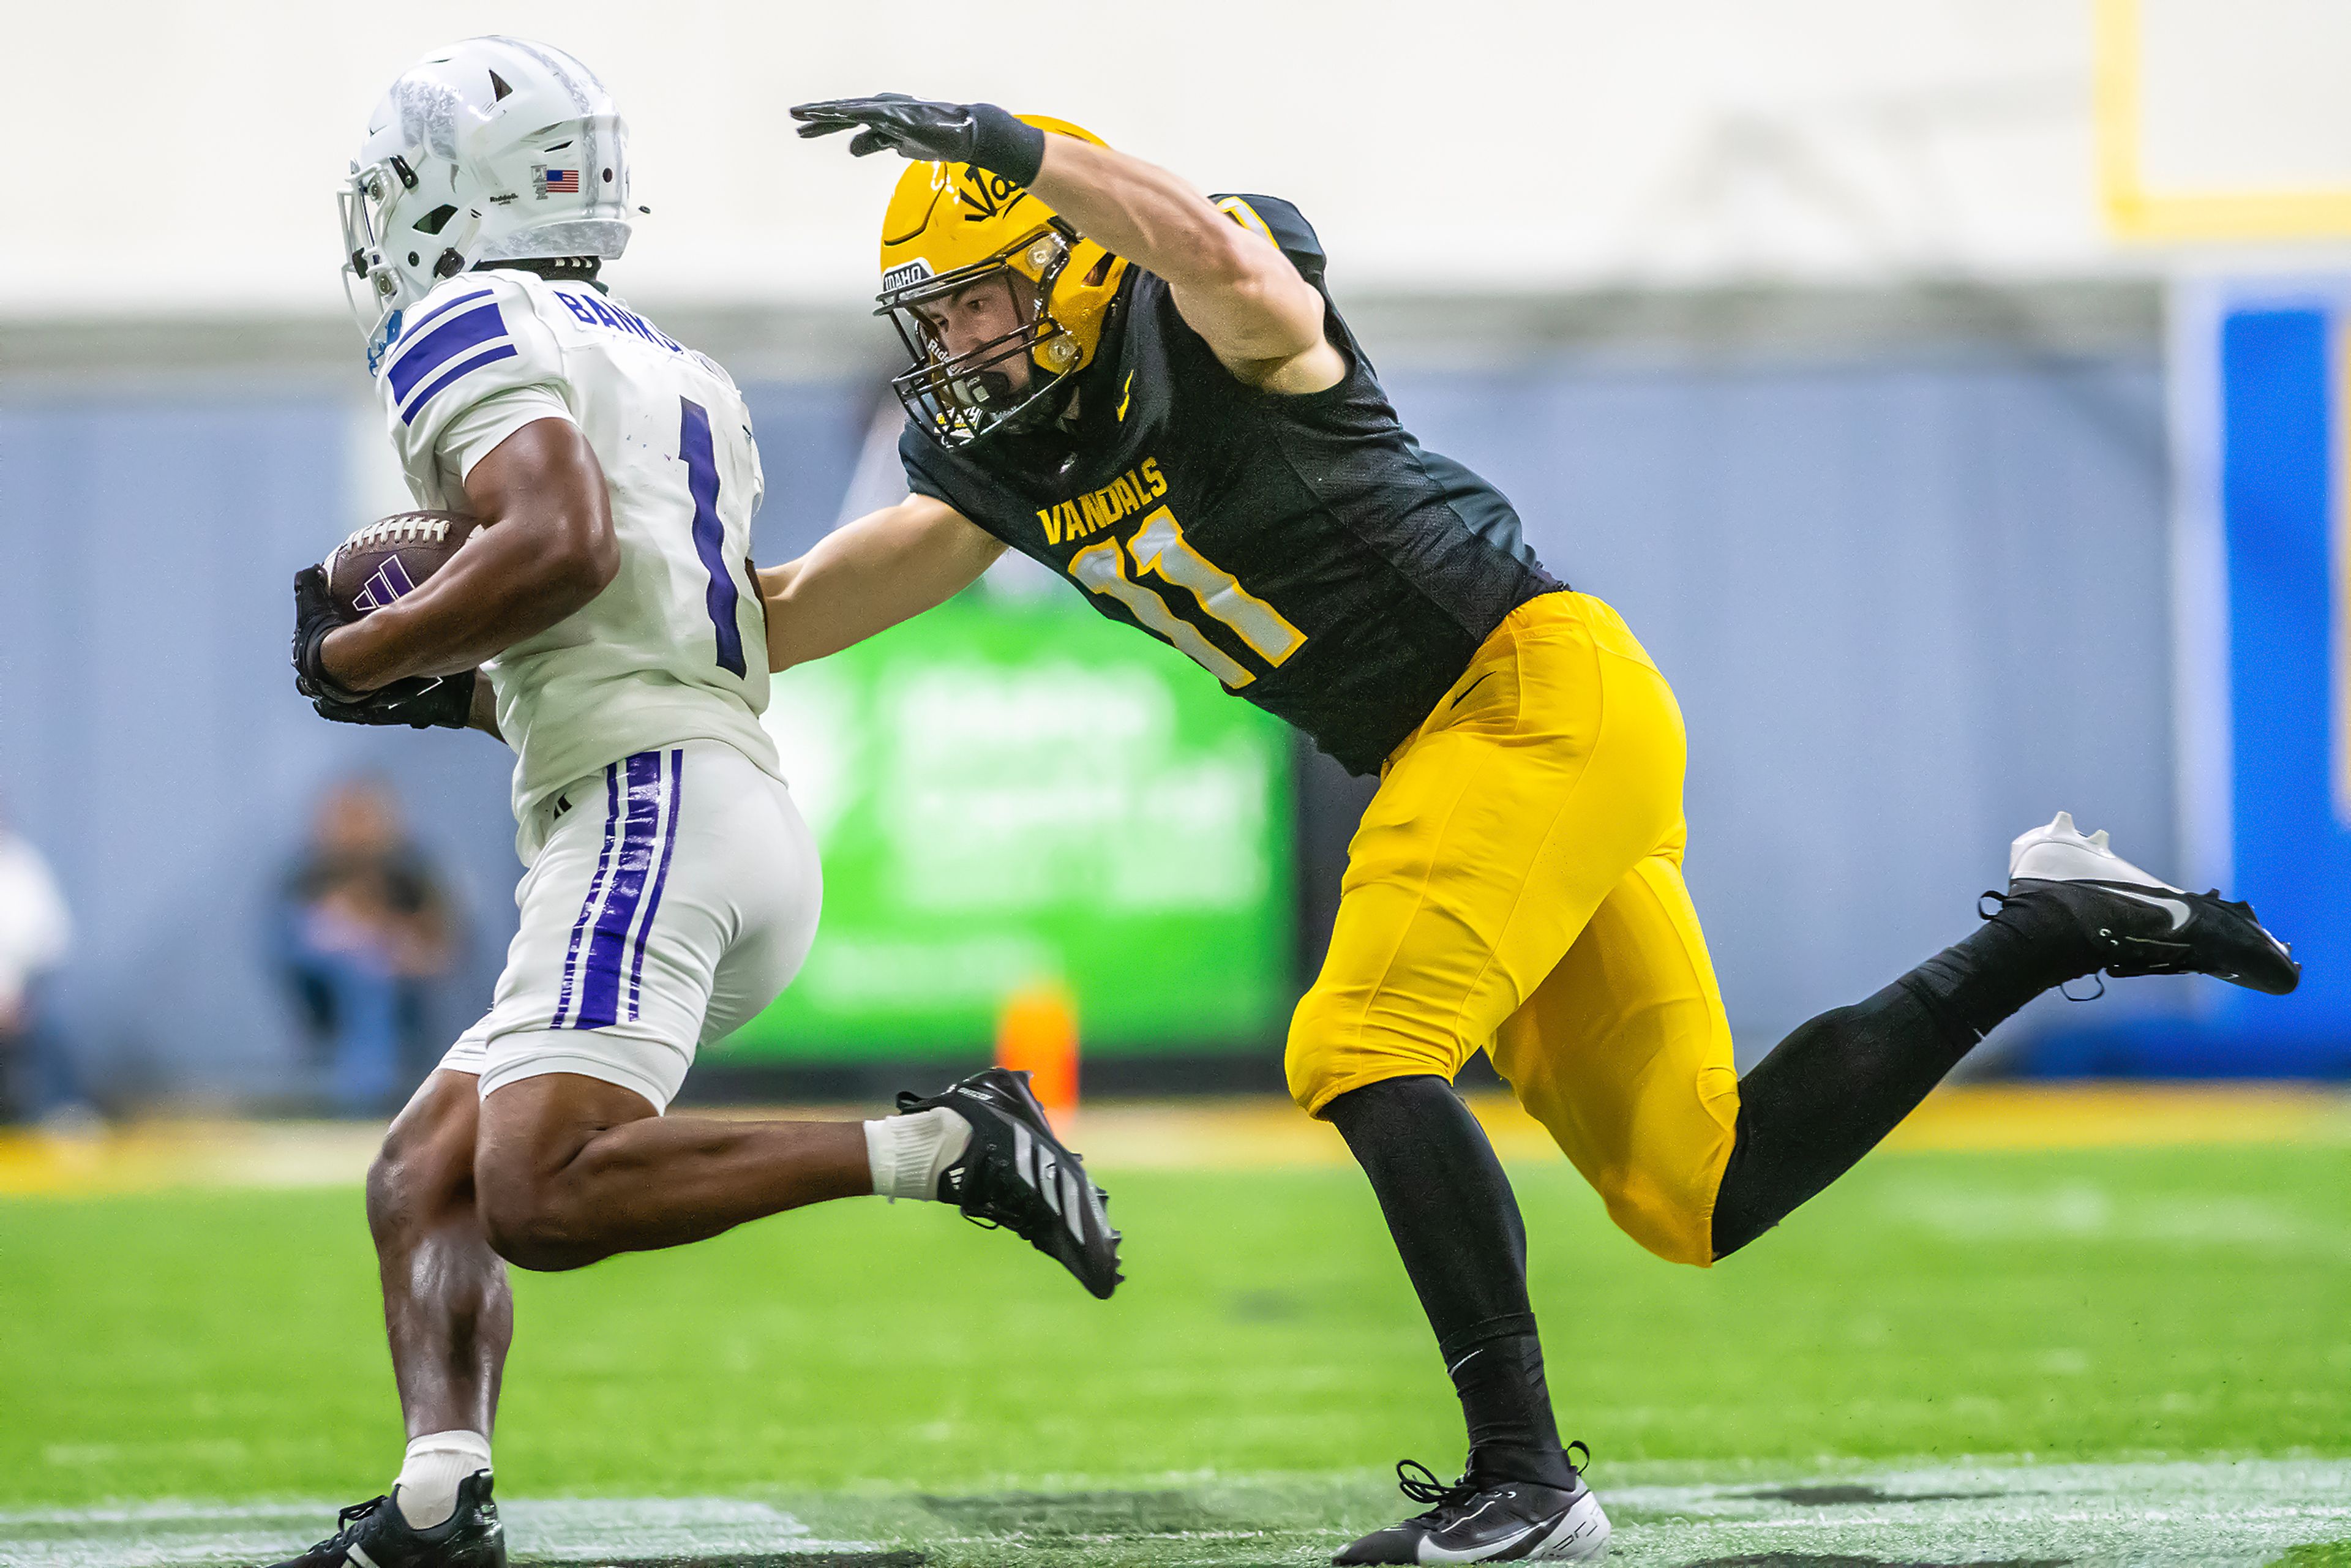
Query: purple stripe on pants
(595, 887)
(661, 877)
(600, 979)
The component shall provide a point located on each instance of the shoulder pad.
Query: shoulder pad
(476, 335)
(1280, 222)
(469, 324)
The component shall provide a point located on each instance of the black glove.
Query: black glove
(315, 615)
(422, 702)
(975, 133)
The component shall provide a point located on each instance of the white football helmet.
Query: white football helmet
(495, 149)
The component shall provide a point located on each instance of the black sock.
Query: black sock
(2031, 944)
(1506, 1404)
(1830, 1092)
(1457, 1226)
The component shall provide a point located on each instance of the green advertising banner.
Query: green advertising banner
(1013, 790)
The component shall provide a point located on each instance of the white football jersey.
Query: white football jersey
(675, 649)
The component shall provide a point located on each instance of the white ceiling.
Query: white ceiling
(182, 158)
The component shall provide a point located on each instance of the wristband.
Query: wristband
(310, 666)
(1004, 145)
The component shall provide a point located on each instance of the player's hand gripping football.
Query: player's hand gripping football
(978, 133)
(423, 702)
(316, 615)
(445, 701)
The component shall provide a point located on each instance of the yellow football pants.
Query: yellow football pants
(1516, 886)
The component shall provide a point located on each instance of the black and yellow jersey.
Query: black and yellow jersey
(1305, 550)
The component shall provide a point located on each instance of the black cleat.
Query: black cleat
(2141, 925)
(1018, 1175)
(374, 1534)
(1474, 1520)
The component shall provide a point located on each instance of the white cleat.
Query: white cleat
(2062, 852)
(2141, 923)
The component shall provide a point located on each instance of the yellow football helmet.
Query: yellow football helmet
(952, 227)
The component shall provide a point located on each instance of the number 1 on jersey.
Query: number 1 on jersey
(701, 460)
(1160, 547)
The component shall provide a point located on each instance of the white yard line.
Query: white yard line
(571, 1530)
(2147, 1515)
(2246, 1512)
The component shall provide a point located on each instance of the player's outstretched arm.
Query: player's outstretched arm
(547, 549)
(867, 576)
(1234, 289)
(1241, 293)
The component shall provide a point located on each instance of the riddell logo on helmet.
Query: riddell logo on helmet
(906, 274)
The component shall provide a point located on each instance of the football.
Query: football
(393, 554)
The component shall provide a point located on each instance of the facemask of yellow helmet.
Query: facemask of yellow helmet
(961, 245)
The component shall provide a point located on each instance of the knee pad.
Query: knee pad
(1334, 1047)
(1675, 1221)
(1307, 1059)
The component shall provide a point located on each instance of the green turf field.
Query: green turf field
(1951, 1357)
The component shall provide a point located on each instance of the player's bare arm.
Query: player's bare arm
(867, 576)
(545, 550)
(1234, 288)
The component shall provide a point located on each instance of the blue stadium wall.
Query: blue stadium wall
(2263, 599)
(1913, 602)
(151, 743)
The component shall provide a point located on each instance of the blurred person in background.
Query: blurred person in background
(37, 1077)
(367, 934)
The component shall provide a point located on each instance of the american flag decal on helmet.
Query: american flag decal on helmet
(556, 181)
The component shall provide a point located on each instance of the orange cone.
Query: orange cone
(1036, 1032)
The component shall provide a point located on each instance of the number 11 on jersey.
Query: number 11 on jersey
(1161, 549)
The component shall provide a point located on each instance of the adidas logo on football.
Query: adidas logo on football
(390, 581)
